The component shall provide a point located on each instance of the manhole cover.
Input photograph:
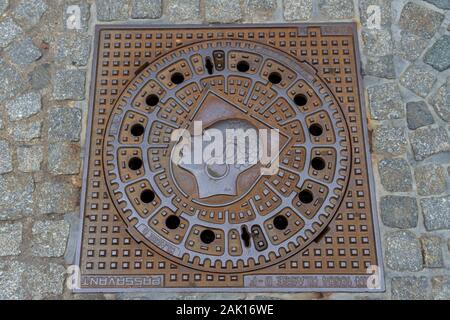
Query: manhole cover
(156, 218)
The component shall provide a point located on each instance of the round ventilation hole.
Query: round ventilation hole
(318, 163)
(135, 163)
(137, 130)
(173, 222)
(152, 100)
(315, 129)
(280, 222)
(306, 196)
(207, 236)
(243, 66)
(275, 77)
(300, 100)
(177, 78)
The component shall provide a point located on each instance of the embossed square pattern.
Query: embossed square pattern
(150, 224)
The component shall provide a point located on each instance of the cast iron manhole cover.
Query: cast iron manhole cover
(151, 222)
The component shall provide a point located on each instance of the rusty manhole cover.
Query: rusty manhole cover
(151, 222)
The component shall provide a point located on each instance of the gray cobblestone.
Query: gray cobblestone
(24, 132)
(381, 67)
(40, 76)
(109, 10)
(438, 56)
(11, 280)
(44, 280)
(30, 158)
(430, 179)
(399, 211)
(419, 79)
(389, 139)
(69, 84)
(29, 12)
(410, 288)
(64, 158)
(436, 212)
(418, 115)
(24, 106)
(377, 42)
(5, 157)
(443, 4)
(183, 10)
(12, 83)
(395, 175)
(64, 124)
(410, 46)
(336, 9)
(10, 239)
(385, 102)
(9, 30)
(298, 9)
(441, 287)
(429, 141)
(49, 238)
(432, 251)
(260, 10)
(403, 252)
(223, 11)
(74, 49)
(15, 195)
(420, 20)
(56, 197)
(146, 9)
(3, 5)
(23, 52)
(441, 101)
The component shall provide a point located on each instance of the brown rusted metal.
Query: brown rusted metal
(150, 224)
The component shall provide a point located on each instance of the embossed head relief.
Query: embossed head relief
(227, 162)
(217, 157)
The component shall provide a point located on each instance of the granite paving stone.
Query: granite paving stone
(395, 174)
(441, 101)
(420, 20)
(436, 212)
(300, 10)
(418, 115)
(399, 211)
(403, 251)
(428, 141)
(183, 10)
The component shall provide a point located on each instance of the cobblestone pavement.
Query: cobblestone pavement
(44, 72)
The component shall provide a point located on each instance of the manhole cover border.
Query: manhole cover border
(338, 28)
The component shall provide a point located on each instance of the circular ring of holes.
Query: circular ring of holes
(208, 235)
